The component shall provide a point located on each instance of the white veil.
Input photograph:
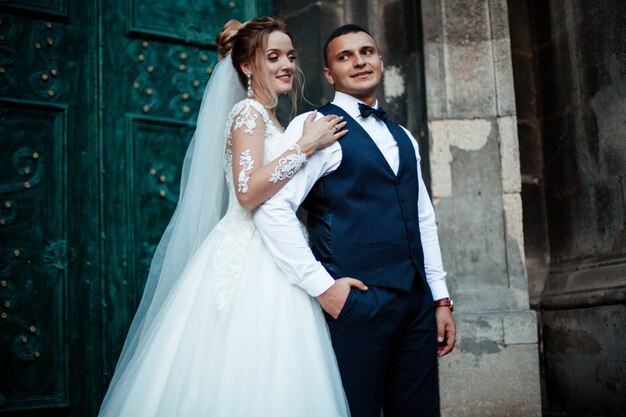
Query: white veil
(202, 202)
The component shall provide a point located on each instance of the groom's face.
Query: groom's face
(354, 65)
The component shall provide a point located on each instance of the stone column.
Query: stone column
(476, 186)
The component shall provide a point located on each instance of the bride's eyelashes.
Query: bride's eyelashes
(275, 57)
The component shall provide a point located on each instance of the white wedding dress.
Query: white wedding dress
(235, 338)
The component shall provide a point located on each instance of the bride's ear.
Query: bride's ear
(246, 68)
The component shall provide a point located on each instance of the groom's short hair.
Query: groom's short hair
(342, 30)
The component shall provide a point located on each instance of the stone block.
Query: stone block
(432, 21)
(503, 65)
(473, 244)
(476, 171)
(446, 229)
(471, 91)
(503, 328)
(464, 157)
(435, 80)
(473, 327)
(472, 296)
(509, 154)
(520, 327)
(506, 375)
(515, 241)
(499, 19)
(466, 21)
(470, 49)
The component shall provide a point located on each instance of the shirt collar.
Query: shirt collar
(350, 104)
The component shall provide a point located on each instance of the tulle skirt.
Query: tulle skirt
(264, 351)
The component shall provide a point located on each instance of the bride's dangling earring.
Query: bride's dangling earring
(250, 92)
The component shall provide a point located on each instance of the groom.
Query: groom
(374, 261)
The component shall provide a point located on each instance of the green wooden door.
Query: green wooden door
(97, 105)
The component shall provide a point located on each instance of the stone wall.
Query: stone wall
(570, 81)
(476, 188)
(449, 80)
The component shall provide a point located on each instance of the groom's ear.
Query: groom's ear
(329, 77)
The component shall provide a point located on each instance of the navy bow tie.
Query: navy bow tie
(367, 111)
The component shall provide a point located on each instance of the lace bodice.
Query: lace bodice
(236, 227)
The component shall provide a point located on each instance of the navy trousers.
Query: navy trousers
(386, 348)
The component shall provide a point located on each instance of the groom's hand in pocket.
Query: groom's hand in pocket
(334, 298)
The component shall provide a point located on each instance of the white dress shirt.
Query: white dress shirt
(281, 231)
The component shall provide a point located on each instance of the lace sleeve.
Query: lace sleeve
(256, 179)
(247, 135)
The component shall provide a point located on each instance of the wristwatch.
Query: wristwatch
(445, 302)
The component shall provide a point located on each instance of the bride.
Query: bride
(220, 330)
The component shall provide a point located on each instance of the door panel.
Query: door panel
(38, 116)
(34, 253)
(97, 105)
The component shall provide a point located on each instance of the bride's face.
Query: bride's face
(280, 60)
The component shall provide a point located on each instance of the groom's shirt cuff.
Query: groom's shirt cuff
(317, 282)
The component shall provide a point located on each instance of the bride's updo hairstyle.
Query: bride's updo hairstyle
(246, 43)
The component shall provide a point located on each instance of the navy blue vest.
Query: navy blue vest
(363, 219)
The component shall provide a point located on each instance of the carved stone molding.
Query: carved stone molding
(585, 283)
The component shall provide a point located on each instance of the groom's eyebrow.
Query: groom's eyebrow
(344, 52)
(366, 47)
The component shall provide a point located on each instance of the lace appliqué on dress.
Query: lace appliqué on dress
(246, 161)
(289, 165)
(246, 118)
(237, 235)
